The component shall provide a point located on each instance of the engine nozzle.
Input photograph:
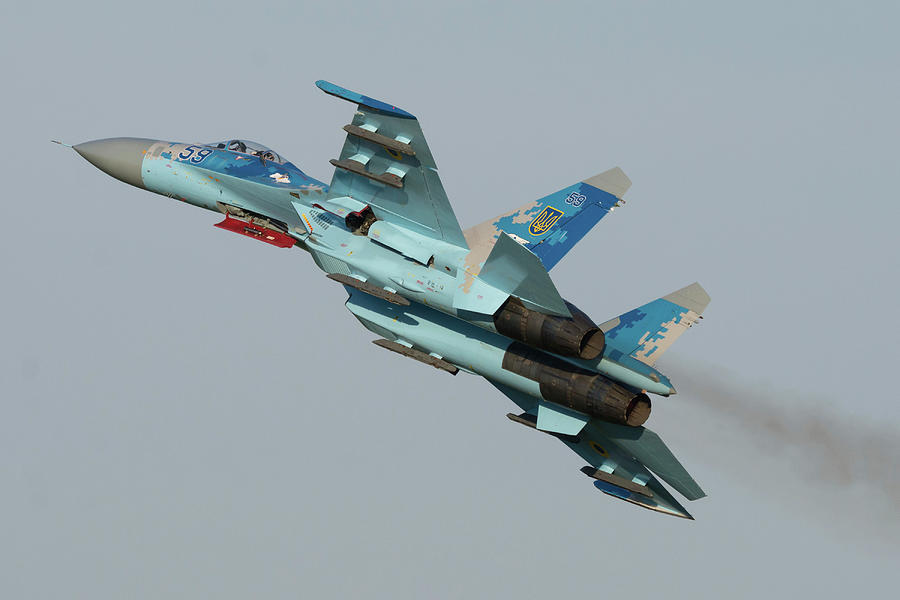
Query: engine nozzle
(578, 336)
(579, 389)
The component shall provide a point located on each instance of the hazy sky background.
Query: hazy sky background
(188, 414)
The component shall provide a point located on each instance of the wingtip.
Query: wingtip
(614, 181)
(337, 91)
(692, 297)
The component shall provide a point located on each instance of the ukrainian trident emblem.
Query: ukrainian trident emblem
(544, 221)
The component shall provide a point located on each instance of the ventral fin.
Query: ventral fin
(554, 418)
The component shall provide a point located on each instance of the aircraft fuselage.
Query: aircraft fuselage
(270, 199)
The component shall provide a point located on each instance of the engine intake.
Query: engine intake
(578, 336)
(581, 390)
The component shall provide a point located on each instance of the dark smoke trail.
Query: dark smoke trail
(836, 450)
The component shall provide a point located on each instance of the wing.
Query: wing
(386, 163)
(621, 459)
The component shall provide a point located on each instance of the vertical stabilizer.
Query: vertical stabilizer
(552, 225)
(644, 333)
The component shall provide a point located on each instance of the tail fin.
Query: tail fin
(646, 332)
(551, 226)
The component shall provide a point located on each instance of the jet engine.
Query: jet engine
(578, 336)
(577, 388)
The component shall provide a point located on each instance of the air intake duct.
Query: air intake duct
(578, 336)
(576, 388)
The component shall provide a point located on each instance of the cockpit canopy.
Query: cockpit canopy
(248, 147)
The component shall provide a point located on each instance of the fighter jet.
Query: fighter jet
(479, 300)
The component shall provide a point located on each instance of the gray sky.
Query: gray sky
(189, 414)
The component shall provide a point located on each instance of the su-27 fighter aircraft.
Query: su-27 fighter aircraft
(479, 300)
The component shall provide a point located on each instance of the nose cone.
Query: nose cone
(119, 157)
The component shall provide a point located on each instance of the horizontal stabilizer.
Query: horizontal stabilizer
(622, 459)
(649, 449)
(554, 418)
(515, 270)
